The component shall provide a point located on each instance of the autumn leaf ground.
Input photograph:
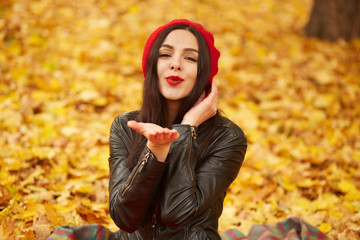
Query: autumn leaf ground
(67, 68)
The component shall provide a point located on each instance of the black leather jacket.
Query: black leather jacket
(178, 199)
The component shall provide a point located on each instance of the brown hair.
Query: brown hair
(153, 109)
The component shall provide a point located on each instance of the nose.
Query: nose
(175, 65)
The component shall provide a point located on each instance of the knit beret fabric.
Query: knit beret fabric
(209, 38)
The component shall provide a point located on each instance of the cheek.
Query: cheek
(162, 63)
(194, 73)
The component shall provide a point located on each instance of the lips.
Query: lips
(174, 80)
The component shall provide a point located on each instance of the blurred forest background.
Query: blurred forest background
(67, 68)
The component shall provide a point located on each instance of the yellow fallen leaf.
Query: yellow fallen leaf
(350, 206)
(304, 203)
(31, 178)
(88, 95)
(336, 214)
(347, 186)
(101, 101)
(306, 183)
(257, 179)
(84, 189)
(228, 218)
(286, 183)
(29, 234)
(53, 216)
(325, 227)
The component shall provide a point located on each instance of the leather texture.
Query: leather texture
(181, 198)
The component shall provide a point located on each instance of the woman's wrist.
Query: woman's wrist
(160, 151)
(190, 121)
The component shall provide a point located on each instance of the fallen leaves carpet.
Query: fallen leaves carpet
(67, 68)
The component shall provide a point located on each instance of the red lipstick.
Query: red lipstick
(174, 80)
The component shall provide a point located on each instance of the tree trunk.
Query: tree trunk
(334, 19)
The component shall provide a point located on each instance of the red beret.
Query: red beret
(214, 53)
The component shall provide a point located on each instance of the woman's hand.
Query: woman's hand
(205, 108)
(159, 138)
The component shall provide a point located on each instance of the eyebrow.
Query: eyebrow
(185, 49)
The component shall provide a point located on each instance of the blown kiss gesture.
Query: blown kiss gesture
(159, 139)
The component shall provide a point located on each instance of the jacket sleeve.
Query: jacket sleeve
(130, 190)
(190, 190)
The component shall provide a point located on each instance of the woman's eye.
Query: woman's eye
(191, 59)
(164, 55)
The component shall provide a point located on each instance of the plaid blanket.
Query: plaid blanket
(289, 229)
(82, 232)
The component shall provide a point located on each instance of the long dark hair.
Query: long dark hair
(153, 109)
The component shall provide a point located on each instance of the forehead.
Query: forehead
(180, 38)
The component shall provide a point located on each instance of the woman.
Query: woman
(172, 161)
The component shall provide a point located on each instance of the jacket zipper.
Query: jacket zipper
(193, 137)
(138, 169)
(154, 223)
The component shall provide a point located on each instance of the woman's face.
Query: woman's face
(177, 64)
